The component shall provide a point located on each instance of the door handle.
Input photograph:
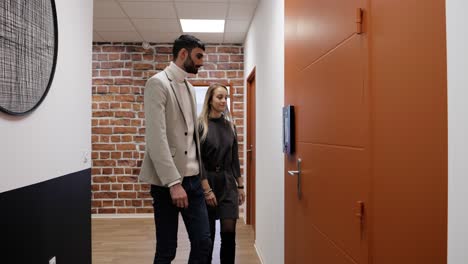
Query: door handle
(298, 173)
(250, 148)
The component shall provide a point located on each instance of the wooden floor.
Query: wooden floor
(129, 241)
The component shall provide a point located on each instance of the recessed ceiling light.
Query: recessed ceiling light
(202, 25)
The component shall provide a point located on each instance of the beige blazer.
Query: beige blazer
(166, 142)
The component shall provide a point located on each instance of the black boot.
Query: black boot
(228, 247)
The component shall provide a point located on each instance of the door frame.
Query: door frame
(250, 173)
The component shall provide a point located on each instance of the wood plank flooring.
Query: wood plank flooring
(130, 241)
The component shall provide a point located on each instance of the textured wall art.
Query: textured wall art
(28, 53)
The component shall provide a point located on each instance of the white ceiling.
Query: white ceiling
(158, 20)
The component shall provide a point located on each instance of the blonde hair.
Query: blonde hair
(205, 113)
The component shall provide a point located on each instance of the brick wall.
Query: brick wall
(120, 71)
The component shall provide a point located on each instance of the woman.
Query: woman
(223, 186)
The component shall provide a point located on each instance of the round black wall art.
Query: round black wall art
(28, 53)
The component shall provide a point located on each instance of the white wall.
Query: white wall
(51, 141)
(457, 64)
(264, 49)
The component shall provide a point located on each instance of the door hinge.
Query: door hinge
(359, 14)
(359, 210)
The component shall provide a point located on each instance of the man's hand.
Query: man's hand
(179, 196)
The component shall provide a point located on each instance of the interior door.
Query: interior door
(251, 160)
(325, 80)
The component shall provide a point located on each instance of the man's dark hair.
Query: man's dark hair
(187, 42)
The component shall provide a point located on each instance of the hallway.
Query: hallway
(131, 240)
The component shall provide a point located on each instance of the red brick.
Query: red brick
(223, 58)
(139, 82)
(114, 57)
(113, 49)
(148, 57)
(125, 98)
(123, 81)
(126, 106)
(236, 58)
(100, 98)
(144, 210)
(127, 195)
(127, 179)
(126, 210)
(128, 187)
(137, 57)
(120, 122)
(102, 114)
(116, 155)
(114, 89)
(104, 122)
(229, 50)
(116, 187)
(127, 138)
(125, 130)
(126, 147)
(144, 195)
(106, 171)
(202, 74)
(103, 106)
(166, 50)
(112, 65)
(126, 163)
(102, 57)
(104, 163)
(135, 49)
(105, 195)
(106, 211)
(115, 73)
(101, 179)
(162, 58)
(101, 130)
(231, 74)
(121, 114)
(119, 203)
(209, 66)
(137, 203)
(143, 66)
(228, 66)
(217, 74)
(100, 81)
(107, 203)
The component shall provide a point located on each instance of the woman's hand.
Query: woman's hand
(241, 196)
(210, 199)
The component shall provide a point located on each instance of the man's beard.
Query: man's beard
(189, 66)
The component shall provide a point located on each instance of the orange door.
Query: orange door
(326, 71)
(371, 131)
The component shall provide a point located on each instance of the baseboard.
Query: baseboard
(111, 216)
(258, 253)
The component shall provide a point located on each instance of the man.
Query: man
(172, 158)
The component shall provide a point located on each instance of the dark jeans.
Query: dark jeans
(166, 217)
